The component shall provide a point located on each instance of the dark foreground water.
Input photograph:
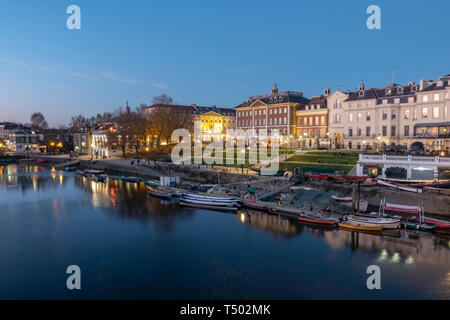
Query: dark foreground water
(131, 246)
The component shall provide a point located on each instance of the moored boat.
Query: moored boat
(316, 220)
(209, 207)
(358, 226)
(440, 224)
(385, 223)
(213, 203)
(159, 194)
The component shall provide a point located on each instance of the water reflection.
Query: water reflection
(131, 201)
(395, 246)
(51, 218)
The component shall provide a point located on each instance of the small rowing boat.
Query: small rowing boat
(352, 225)
(152, 183)
(131, 179)
(159, 194)
(385, 223)
(415, 225)
(212, 203)
(208, 207)
(316, 220)
(99, 177)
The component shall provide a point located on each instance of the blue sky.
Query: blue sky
(207, 52)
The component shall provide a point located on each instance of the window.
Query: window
(397, 100)
(406, 131)
(445, 112)
(384, 133)
(384, 115)
(350, 117)
(270, 111)
(436, 112)
(358, 131)
(393, 114)
(406, 114)
(385, 101)
(424, 113)
(350, 132)
(392, 131)
(425, 98)
(411, 99)
(436, 97)
(359, 116)
(299, 122)
(306, 121)
(285, 110)
(415, 114)
(322, 120)
(368, 116)
(285, 121)
(275, 111)
(316, 119)
(368, 131)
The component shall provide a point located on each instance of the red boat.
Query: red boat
(41, 160)
(315, 220)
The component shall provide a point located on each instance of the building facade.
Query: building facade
(312, 123)
(82, 141)
(370, 119)
(19, 138)
(272, 111)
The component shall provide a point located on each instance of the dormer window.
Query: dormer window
(400, 90)
(388, 91)
(361, 93)
(440, 83)
(414, 88)
(280, 99)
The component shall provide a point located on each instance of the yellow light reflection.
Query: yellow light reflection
(396, 257)
(409, 259)
(243, 217)
(383, 256)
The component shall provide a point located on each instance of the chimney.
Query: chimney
(193, 105)
(423, 84)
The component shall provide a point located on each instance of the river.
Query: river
(131, 246)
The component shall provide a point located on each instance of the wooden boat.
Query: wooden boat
(352, 225)
(254, 206)
(316, 220)
(88, 171)
(385, 223)
(159, 194)
(208, 207)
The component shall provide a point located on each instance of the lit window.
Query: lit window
(425, 98)
(406, 114)
(424, 113)
(436, 97)
(436, 112)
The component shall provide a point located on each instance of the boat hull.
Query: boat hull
(358, 226)
(314, 220)
(208, 207)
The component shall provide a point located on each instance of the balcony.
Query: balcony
(387, 159)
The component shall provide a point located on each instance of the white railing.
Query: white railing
(394, 159)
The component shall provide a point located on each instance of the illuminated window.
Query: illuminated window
(425, 98)
(406, 114)
(436, 97)
(424, 113)
(436, 112)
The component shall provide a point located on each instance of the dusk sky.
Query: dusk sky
(207, 52)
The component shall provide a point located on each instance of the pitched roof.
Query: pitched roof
(197, 110)
(274, 98)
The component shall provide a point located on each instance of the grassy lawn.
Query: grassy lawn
(290, 166)
(314, 159)
(351, 153)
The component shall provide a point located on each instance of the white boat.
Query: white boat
(208, 207)
(209, 198)
(386, 223)
(212, 203)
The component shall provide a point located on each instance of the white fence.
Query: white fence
(404, 159)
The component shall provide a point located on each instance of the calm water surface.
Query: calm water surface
(131, 246)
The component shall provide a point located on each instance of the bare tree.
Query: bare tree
(162, 99)
(38, 121)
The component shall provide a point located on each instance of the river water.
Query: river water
(131, 246)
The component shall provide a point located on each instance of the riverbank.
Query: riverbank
(433, 203)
